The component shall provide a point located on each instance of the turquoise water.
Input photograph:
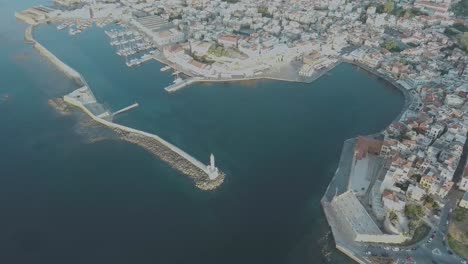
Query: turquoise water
(65, 200)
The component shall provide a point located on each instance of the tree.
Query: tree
(393, 217)
(460, 27)
(388, 6)
(416, 177)
(460, 214)
(264, 11)
(464, 40)
(461, 8)
(428, 199)
(412, 225)
(414, 211)
(391, 45)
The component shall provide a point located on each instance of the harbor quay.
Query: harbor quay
(276, 76)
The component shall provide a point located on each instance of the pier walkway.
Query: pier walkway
(128, 108)
(176, 86)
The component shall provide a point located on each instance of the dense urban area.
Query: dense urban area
(399, 196)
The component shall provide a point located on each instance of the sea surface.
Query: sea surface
(71, 193)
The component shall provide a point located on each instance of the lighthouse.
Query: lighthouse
(212, 170)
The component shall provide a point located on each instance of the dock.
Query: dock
(128, 108)
(177, 86)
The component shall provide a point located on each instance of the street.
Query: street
(428, 250)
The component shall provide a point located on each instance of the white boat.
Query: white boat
(62, 26)
(176, 72)
(165, 68)
(178, 80)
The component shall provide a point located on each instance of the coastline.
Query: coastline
(133, 138)
(340, 235)
(192, 80)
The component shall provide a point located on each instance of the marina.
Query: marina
(129, 44)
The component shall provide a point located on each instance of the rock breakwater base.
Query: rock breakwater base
(173, 159)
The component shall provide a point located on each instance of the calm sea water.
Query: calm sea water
(66, 200)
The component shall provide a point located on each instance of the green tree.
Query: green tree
(461, 8)
(460, 214)
(413, 224)
(391, 45)
(414, 211)
(428, 199)
(393, 217)
(264, 11)
(464, 40)
(416, 177)
(388, 6)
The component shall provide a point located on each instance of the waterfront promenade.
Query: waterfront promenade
(192, 80)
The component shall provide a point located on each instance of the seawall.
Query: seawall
(67, 70)
(407, 96)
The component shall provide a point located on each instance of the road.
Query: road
(426, 251)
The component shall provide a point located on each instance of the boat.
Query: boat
(62, 26)
(165, 68)
(176, 73)
(178, 80)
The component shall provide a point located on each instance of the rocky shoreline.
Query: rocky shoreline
(59, 105)
(173, 159)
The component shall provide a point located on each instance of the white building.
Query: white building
(415, 193)
(464, 201)
(170, 36)
(392, 202)
(228, 41)
(464, 184)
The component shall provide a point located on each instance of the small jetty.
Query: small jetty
(179, 84)
(128, 108)
(165, 68)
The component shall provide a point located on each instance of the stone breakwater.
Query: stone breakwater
(173, 159)
(60, 106)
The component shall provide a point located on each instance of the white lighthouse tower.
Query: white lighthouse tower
(212, 170)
